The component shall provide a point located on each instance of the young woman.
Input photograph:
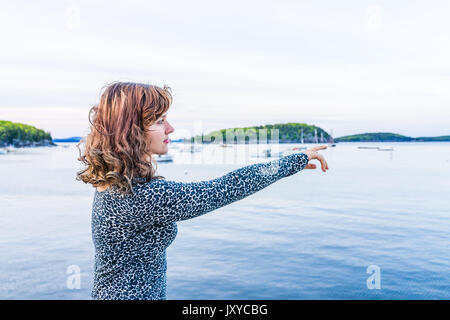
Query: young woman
(134, 211)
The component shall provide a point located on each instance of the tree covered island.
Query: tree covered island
(387, 137)
(276, 133)
(22, 135)
(297, 133)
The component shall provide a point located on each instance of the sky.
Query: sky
(347, 67)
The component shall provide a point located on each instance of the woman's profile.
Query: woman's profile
(134, 211)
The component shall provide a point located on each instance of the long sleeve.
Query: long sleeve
(162, 201)
(131, 232)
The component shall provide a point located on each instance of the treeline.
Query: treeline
(19, 134)
(282, 133)
(387, 137)
(374, 137)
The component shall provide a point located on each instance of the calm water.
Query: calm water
(309, 236)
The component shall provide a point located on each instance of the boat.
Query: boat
(192, 148)
(368, 147)
(267, 153)
(164, 158)
(7, 150)
(386, 149)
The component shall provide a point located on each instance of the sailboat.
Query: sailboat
(302, 141)
(331, 143)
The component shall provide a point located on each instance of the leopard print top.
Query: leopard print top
(132, 232)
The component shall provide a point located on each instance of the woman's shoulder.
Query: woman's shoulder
(138, 186)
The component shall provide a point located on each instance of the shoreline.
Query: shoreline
(28, 144)
(9, 148)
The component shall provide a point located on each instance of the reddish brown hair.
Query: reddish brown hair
(116, 149)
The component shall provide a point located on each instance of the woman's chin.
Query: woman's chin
(163, 152)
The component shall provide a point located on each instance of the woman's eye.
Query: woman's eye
(160, 121)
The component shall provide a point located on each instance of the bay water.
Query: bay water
(374, 226)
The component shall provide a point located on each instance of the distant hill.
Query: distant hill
(287, 133)
(71, 139)
(387, 137)
(22, 135)
(18, 134)
(298, 133)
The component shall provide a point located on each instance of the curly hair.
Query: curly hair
(117, 147)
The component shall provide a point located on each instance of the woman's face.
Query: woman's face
(159, 135)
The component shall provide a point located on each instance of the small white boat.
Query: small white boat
(386, 149)
(267, 153)
(192, 148)
(164, 158)
(7, 150)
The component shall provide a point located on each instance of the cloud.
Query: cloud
(230, 62)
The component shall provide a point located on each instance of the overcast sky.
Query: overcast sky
(346, 66)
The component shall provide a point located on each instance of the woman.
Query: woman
(134, 211)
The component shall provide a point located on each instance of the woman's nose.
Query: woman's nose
(169, 128)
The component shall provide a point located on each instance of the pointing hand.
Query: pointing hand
(313, 154)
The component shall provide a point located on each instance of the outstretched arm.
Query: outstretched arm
(162, 201)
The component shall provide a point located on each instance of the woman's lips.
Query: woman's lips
(167, 141)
